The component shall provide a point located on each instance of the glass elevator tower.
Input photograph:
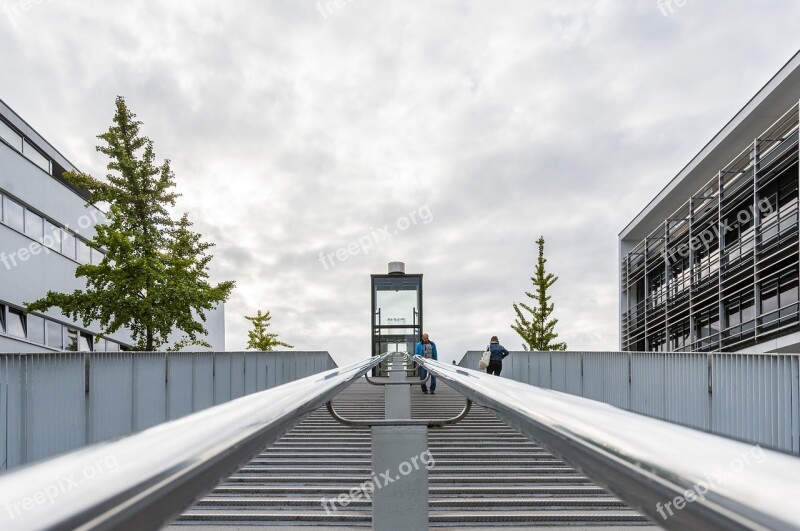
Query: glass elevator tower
(396, 311)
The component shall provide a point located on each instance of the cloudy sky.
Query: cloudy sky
(447, 134)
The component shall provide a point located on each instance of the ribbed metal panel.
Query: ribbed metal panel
(517, 367)
(542, 364)
(15, 427)
(593, 366)
(222, 377)
(686, 385)
(3, 410)
(150, 390)
(237, 374)
(179, 387)
(261, 371)
(755, 397)
(289, 371)
(271, 369)
(566, 372)
(54, 404)
(250, 372)
(612, 385)
(110, 397)
(202, 381)
(795, 405)
(647, 392)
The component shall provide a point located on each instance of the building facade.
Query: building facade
(712, 262)
(45, 225)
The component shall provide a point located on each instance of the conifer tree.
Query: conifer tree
(533, 322)
(153, 277)
(259, 338)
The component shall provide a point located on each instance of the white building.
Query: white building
(44, 226)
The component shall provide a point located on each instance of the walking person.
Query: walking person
(426, 349)
(497, 353)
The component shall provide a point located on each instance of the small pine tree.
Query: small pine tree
(537, 332)
(258, 337)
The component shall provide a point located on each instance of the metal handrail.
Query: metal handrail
(652, 465)
(407, 361)
(431, 423)
(404, 382)
(145, 480)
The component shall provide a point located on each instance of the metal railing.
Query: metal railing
(680, 477)
(143, 481)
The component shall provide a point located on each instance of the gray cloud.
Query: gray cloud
(293, 134)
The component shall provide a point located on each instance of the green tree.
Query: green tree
(533, 324)
(153, 277)
(258, 337)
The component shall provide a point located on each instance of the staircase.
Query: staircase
(485, 474)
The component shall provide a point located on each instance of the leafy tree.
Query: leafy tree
(258, 337)
(537, 330)
(153, 278)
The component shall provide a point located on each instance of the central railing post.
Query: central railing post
(397, 397)
(400, 499)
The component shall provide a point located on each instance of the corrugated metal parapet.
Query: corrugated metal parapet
(54, 402)
(751, 397)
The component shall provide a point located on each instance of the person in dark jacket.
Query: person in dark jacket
(498, 352)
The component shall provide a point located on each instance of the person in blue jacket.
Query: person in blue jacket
(427, 349)
(498, 352)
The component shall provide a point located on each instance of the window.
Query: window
(100, 345)
(52, 236)
(769, 296)
(84, 252)
(97, 256)
(16, 323)
(55, 334)
(72, 340)
(10, 136)
(679, 336)
(2, 317)
(734, 315)
(13, 214)
(707, 326)
(35, 329)
(67, 244)
(112, 346)
(779, 292)
(656, 285)
(85, 342)
(657, 342)
(739, 310)
(788, 291)
(35, 156)
(34, 225)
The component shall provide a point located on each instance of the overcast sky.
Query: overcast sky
(446, 134)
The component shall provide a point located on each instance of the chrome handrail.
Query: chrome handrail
(431, 423)
(680, 477)
(145, 480)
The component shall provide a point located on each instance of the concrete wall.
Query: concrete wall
(751, 397)
(55, 402)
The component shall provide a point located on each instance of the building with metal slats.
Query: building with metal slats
(712, 262)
